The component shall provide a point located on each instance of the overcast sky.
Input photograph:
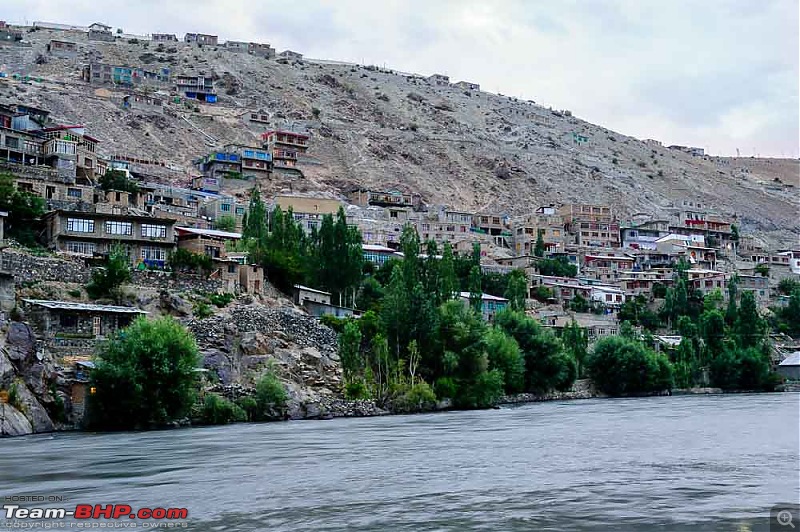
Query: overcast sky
(720, 74)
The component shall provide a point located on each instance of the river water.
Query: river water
(666, 463)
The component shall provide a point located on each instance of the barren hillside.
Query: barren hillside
(471, 150)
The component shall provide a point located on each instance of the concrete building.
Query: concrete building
(790, 367)
(62, 49)
(262, 50)
(288, 55)
(236, 161)
(756, 284)
(199, 88)
(100, 32)
(147, 240)
(391, 198)
(467, 85)
(643, 235)
(256, 116)
(606, 266)
(285, 147)
(237, 46)
(592, 225)
(490, 305)
(201, 39)
(439, 80)
(125, 76)
(307, 210)
(58, 191)
(379, 255)
(164, 37)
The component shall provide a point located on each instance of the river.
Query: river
(671, 463)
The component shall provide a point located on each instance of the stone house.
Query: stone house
(208, 242)
(237, 46)
(256, 116)
(757, 284)
(289, 55)
(147, 240)
(592, 225)
(251, 278)
(392, 198)
(467, 85)
(58, 191)
(164, 37)
(100, 32)
(62, 49)
(201, 39)
(318, 302)
(285, 146)
(233, 268)
(439, 79)
(262, 50)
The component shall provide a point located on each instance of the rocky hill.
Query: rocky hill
(468, 149)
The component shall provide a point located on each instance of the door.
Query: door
(96, 325)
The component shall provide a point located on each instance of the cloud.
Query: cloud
(719, 74)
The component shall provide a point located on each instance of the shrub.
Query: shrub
(483, 392)
(108, 281)
(337, 324)
(145, 376)
(356, 390)
(250, 407)
(271, 398)
(75, 292)
(182, 259)
(741, 369)
(221, 300)
(218, 411)
(201, 310)
(419, 398)
(445, 388)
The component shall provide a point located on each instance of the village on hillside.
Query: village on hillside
(583, 262)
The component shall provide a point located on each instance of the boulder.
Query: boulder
(13, 422)
(37, 415)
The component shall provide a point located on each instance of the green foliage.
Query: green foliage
(788, 317)
(24, 211)
(145, 376)
(547, 365)
(539, 248)
(271, 398)
(225, 223)
(356, 390)
(762, 269)
(75, 292)
(559, 267)
(221, 300)
(517, 290)
(418, 398)
(713, 300)
(185, 260)
(542, 294)
(483, 392)
(620, 366)
(250, 407)
(108, 280)
(446, 387)
(579, 304)
(787, 286)
(750, 327)
(349, 351)
(742, 369)
(576, 343)
(370, 294)
(117, 180)
(334, 322)
(217, 410)
(504, 356)
(201, 309)
(712, 329)
(475, 291)
(659, 290)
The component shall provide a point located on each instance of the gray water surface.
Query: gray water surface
(661, 463)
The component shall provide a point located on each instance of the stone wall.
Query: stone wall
(184, 282)
(29, 268)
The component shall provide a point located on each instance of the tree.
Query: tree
(395, 311)
(750, 327)
(504, 355)
(225, 223)
(619, 366)
(448, 283)
(350, 351)
(713, 300)
(560, 267)
(539, 248)
(24, 211)
(517, 290)
(712, 328)
(732, 312)
(370, 294)
(547, 365)
(255, 226)
(108, 280)
(271, 398)
(576, 342)
(762, 269)
(788, 317)
(787, 286)
(117, 180)
(739, 368)
(475, 291)
(145, 376)
(579, 304)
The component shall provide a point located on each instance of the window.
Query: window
(119, 228)
(249, 153)
(154, 254)
(79, 225)
(225, 207)
(239, 211)
(231, 268)
(155, 231)
(82, 248)
(74, 192)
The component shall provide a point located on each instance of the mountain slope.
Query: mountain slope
(471, 150)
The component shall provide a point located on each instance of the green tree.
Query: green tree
(576, 342)
(24, 211)
(750, 327)
(395, 311)
(370, 294)
(787, 286)
(271, 398)
(517, 290)
(559, 267)
(225, 223)
(145, 376)
(475, 291)
(448, 283)
(762, 269)
(255, 226)
(788, 317)
(504, 355)
(539, 248)
(579, 304)
(712, 327)
(108, 280)
(713, 300)
(732, 312)
(619, 366)
(738, 368)
(117, 180)
(350, 351)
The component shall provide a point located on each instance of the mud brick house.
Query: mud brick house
(285, 147)
(592, 225)
(201, 39)
(58, 191)
(62, 49)
(147, 240)
(392, 198)
(71, 329)
(100, 32)
(164, 37)
(288, 55)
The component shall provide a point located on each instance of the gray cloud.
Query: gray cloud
(718, 74)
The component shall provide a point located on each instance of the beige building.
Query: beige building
(308, 210)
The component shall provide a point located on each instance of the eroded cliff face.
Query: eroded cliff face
(243, 341)
(31, 383)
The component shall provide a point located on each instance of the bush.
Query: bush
(221, 300)
(483, 392)
(505, 356)
(76, 292)
(201, 310)
(542, 294)
(219, 411)
(356, 390)
(108, 281)
(145, 376)
(250, 407)
(337, 324)
(559, 267)
(742, 369)
(786, 286)
(419, 398)
(445, 387)
(182, 259)
(271, 398)
(620, 366)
